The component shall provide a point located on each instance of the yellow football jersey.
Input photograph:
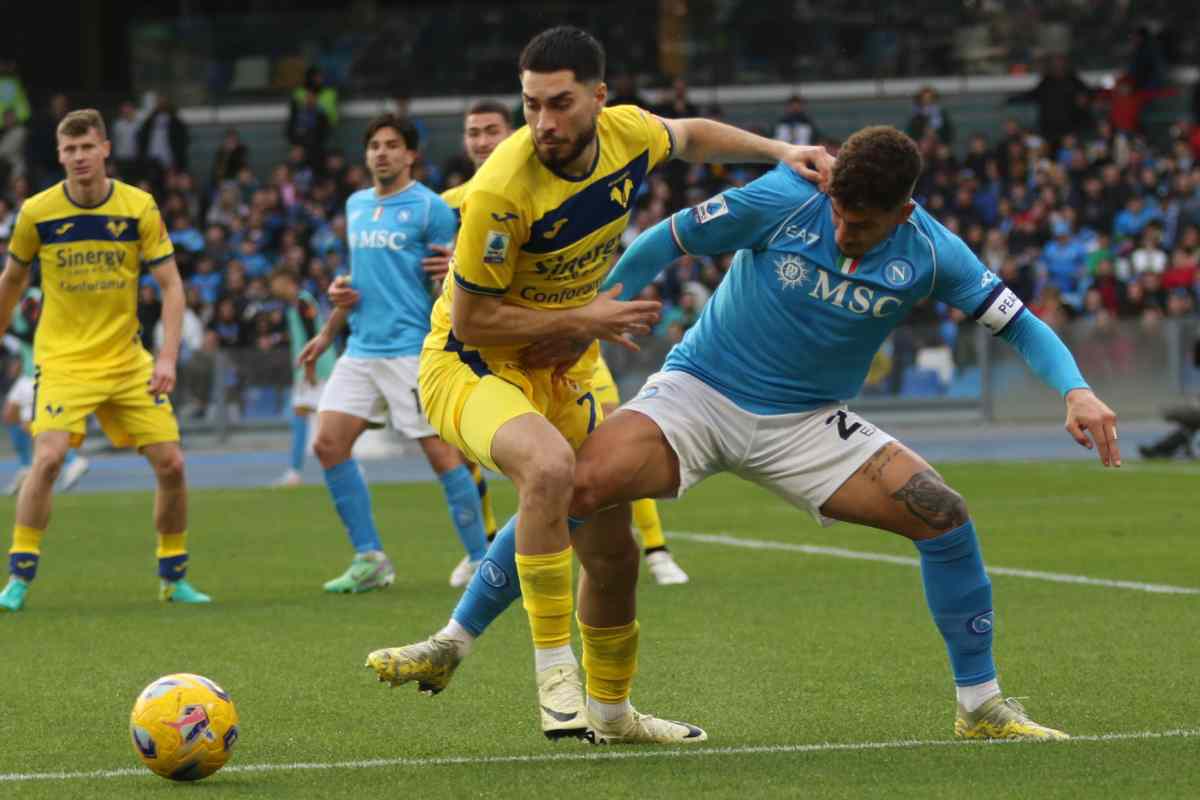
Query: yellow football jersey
(455, 195)
(90, 260)
(545, 240)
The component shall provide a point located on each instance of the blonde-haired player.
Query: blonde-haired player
(485, 125)
(92, 236)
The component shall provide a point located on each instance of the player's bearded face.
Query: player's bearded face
(562, 115)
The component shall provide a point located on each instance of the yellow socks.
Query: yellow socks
(547, 596)
(172, 556)
(25, 552)
(610, 659)
(645, 516)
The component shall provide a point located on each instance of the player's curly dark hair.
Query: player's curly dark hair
(876, 169)
(399, 124)
(565, 47)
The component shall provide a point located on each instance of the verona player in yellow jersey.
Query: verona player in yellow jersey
(92, 235)
(485, 126)
(541, 224)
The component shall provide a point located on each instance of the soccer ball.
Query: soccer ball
(183, 727)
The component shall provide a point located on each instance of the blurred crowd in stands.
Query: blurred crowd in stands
(1080, 215)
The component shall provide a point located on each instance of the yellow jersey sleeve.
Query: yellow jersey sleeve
(155, 244)
(489, 243)
(659, 141)
(24, 244)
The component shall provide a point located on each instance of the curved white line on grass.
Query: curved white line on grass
(887, 558)
(604, 754)
(601, 754)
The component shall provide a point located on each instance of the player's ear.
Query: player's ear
(601, 93)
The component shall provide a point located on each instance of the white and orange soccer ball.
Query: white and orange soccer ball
(183, 727)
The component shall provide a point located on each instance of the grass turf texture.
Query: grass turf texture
(762, 648)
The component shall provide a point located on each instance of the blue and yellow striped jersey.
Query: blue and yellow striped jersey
(544, 240)
(90, 259)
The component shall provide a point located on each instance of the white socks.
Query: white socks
(608, 712)
(972, 697)
(553, 657)
(459, 634)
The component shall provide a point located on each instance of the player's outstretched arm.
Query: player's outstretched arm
(706, 141)
(638, 266)
(485, 321)
(1051, 361)
(12, 286)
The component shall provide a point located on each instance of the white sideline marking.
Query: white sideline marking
(907, 561)
(602, 754)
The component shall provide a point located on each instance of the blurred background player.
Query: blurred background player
(98, 233)
(304, 319)
(18, 405)
(387, 304)
(485, 126)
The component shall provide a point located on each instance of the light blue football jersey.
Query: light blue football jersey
(794, 325)
(388, 237)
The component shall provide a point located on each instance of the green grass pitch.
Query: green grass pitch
(776, 653)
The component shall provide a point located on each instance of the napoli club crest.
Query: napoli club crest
(898, 273)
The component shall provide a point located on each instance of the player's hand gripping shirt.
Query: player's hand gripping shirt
(388, 239)
(544, 240)
(90, 260)
(794, 325)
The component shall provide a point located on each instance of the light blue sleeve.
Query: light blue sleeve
(1045, 353)
(964, 282)
(443, 223)
(743, 218)
(650, 252)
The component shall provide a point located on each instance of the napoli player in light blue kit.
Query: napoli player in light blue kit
(758, 388)
(390, 228)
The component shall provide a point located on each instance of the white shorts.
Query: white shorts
(21, 395)
(378, 390)
(307, 395)
(804, 458)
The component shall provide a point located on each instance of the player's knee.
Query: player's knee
(549, 472)
(169, 469)
(47, 464)
(329, 451)
(951, 508)
(589, 491)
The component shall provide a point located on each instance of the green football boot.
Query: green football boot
(181, 591)
(13, 596)
(367, 571)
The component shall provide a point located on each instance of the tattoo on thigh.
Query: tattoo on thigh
(880, 459)
(928, 498)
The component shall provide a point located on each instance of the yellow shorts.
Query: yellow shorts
(129, 415)
(468, 399)
(604, 386)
